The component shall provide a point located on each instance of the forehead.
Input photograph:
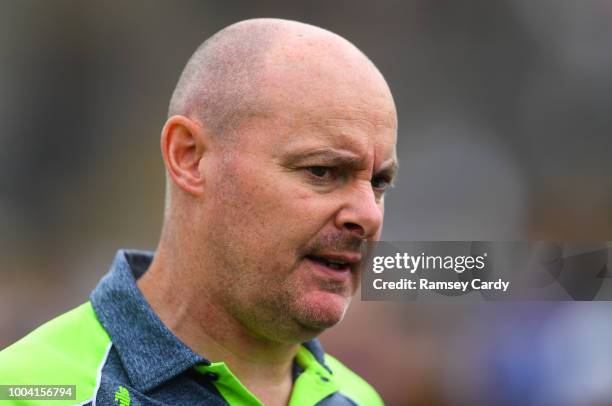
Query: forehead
(355, 119)
(325, 93)
(364, 136)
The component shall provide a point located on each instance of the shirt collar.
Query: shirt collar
(150, 353)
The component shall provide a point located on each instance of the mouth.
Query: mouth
(337, 265)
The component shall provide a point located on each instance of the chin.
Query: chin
(319, 311)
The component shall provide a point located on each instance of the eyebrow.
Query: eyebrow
(331, 156)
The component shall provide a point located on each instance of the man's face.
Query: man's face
(292, 199)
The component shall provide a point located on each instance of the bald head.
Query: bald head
(249, 67)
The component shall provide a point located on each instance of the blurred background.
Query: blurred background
(505, 134)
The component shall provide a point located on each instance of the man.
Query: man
(278, 148)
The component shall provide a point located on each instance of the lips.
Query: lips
(330, 263)
(338, 262)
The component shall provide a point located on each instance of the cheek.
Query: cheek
(255, 215)
(268, 199)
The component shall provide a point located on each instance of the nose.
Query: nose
(361, 213)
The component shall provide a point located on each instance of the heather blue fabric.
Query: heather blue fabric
(146, 358)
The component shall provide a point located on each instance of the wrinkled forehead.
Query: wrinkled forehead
(367, 144)
(320, 91)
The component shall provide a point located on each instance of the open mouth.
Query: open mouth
(336, 265)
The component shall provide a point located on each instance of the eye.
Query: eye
(381, 183)
(320, 171)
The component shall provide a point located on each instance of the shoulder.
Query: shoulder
(67, 350)
(351, 384)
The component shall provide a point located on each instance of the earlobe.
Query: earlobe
(182, 147)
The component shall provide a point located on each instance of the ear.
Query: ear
(182, 147)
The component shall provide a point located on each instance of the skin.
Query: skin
(306, 178)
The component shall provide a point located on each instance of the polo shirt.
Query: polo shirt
(117, 351)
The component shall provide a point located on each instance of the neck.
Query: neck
(204, 325)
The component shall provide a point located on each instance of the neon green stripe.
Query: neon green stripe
(312, 385)
(232, 390)
(67, 350)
